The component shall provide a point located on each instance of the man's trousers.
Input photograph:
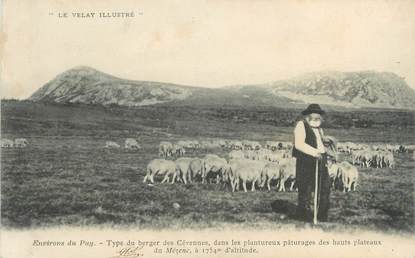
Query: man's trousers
(305, 177)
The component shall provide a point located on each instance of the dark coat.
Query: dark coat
(305, 178)
(306, 164)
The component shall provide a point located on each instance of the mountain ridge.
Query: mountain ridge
(83, 84)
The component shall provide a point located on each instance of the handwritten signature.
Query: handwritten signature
(129, 252)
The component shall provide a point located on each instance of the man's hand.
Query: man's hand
(319, 156)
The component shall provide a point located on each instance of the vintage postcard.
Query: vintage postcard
(223, 128)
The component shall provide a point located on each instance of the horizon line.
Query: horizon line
(231, 85)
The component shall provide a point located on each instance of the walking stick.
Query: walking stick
(316, 195)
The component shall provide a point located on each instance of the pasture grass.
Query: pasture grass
(66, 176)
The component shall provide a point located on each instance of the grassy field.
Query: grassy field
(66, 176)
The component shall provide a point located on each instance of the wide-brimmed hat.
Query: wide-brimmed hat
(313, 108)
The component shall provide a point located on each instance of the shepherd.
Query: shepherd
(311, 157)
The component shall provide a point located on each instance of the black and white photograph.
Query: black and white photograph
(207, 128)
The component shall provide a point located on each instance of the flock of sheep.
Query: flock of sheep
(17, 143)
(370, 158)
(351, 146)
(213, 168)
(167, 149)
(130, 143)
(250, 162)
(377, 155)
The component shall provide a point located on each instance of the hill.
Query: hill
(86, 85)
(353, 89)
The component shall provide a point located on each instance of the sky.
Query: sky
(204, 43)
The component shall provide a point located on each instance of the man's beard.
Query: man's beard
(314, 124)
